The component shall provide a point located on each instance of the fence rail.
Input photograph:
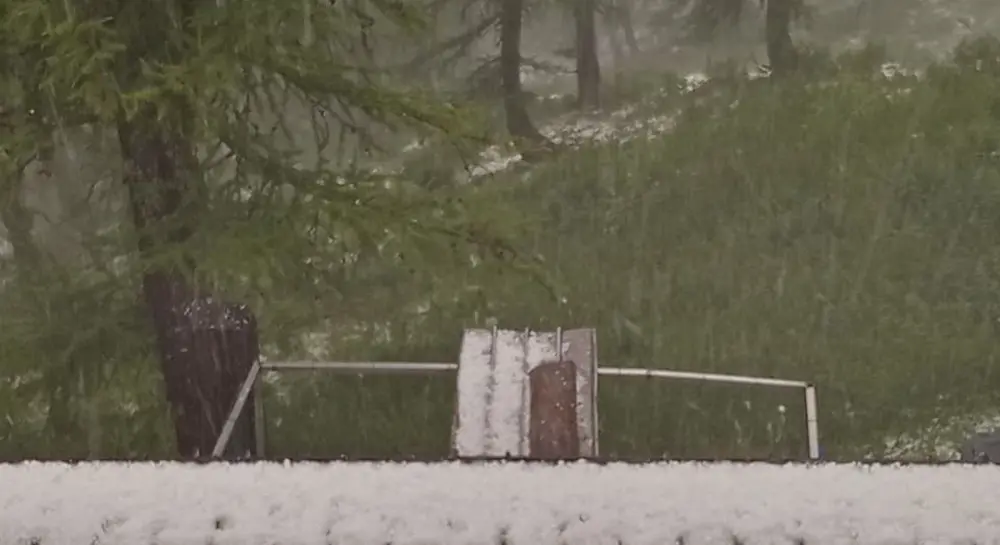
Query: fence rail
(389, 367)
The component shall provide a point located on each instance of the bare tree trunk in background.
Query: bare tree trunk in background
(781, 52)
(617, 52)
(625, 17)
(618, 16)
(610, 15)
(519, 125)
(588, 68)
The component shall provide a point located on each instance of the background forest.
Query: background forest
(801, 189)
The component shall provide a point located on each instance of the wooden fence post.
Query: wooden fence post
(554, 434)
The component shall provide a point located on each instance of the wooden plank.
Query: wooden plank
(473, 381)
(493, 413)
(554, 434)
(580, 346)
(507, 420)
(541, 348)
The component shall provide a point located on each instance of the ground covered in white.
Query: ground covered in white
(490, 504)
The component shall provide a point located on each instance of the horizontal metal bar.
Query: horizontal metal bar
(423, 367)
(709, 377)
(363, 366)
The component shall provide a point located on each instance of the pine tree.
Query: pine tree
(225, 113)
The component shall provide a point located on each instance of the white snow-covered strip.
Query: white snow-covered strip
(508, 412)
(493, 161)
(695, 80)
(476, 504)
(474, 372)
(541, 348)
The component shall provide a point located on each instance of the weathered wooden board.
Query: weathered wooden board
(553, 433)
(493, 409)
(580, 346)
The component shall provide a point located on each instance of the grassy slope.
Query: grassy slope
(842, 231)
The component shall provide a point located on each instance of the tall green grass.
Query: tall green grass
(841, 229)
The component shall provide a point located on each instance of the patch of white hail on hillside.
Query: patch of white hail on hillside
(621, 125)
(575, 131)
(941, 439)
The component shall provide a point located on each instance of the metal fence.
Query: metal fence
(253, 383)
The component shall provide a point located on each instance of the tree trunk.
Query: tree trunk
(201, 370)
(781, 52)
(617, 52)
(588, 68)
(610, 17)
(625, 19)
(519, 125)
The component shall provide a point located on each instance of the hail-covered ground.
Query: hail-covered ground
(498, 503)
(574, 130)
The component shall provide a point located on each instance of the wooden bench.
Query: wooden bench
(496, 372)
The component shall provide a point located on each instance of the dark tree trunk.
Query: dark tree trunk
(519, 125)
(611, 15)
(222, 347)
(617, 53)
(781, 52)
(205, 347)
(625, 17)
(202, 362)
(588, 68)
